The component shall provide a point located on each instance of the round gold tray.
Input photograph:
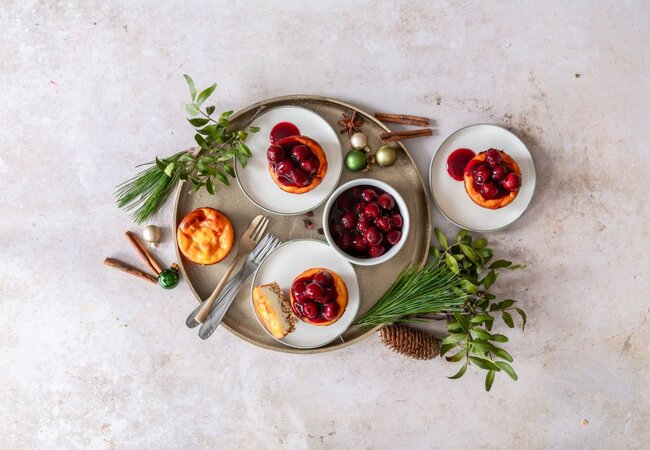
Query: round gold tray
(373, 280)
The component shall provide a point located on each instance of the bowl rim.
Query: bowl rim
(403, 210)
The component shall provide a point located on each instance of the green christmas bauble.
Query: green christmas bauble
(169, 278)
(356, 160)
(386, 155)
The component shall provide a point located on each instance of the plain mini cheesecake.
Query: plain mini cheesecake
(273, 310)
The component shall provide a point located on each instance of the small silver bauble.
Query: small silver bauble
(358, 141)
(151, 234)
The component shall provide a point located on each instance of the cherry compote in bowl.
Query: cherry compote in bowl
(366, 221)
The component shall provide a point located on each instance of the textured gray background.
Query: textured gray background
(92, 358)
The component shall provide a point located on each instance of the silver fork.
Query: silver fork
(191, 322)
(218, 313)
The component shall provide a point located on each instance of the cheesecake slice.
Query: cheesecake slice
(273, 310)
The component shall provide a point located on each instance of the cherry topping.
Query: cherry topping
(386, 201)
(489, 190)
(511, 182)
(482, 174)
(300, 152)
(363, 223)
(368, 195)
(396, 220)
(310, 309)
(299, 177)
(383, 223)
(330, 294)
(284, 168)
(283, 130)
(275, 153)
(314, 290)
(393, 237)
(299, 291)
(359, 207)
(457, 161)
(346, 241)
(376, 250)
(323, 278)
(358, 244)
(493, 157)
(348, 220)
(331, 310)
(373, 236)
(371, 210)
(309, 165)
(499, 172)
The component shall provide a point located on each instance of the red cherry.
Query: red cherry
(298, 308)
(373, 236)
(499, 172)
(300, 152)
(323, 278)
(275, 153)
(363, 223)
(393, 237)
(314, 290)
(284, 168)
(330, 294)
(358, 244)
(310, 309)
(489, 190)
(331, 310)
(345, 241)
(371, 210)
(511, 182)
(359, 207)
(376, 250)
(299, 177)
(345, 202)
(348, 220)
(383, 223)
(396, 220)
(493, 157)
(386, 201)
(286, 181)
(309, 165)
(299, 292)
(482, 174)
(368, 195)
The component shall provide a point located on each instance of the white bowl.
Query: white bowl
(403, 211)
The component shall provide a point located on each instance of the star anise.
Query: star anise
(350, 124)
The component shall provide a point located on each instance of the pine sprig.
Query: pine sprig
(204, 166)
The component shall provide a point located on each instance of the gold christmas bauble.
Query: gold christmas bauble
(386, 155)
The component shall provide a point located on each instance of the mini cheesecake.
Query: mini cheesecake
(205, 236)
(297, 164)
(318, 296)
(492, 179)
(273, 310)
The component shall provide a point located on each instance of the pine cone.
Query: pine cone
(409, 342)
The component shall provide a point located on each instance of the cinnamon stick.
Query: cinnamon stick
(406, 119)
(124, 267)
(144, 252)
(393, 136)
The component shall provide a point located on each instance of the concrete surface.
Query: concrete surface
(90, 358)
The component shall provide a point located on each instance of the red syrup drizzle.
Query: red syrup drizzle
(457, 161)
(282, 130)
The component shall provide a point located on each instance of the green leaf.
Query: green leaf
(454, 327)
(441, 238)
(461, 235)
(229, 170)
(480, 318)
(452, 263)
(507, 368)
(490, 278)
(169, 169)
(517, 266)
(469, 252)
(462, 321)
(223, 179)
(161, 165)
(484, 363)
(489, 379)
(185, 157)
(505, 304)
(195, 188)
(499, 338)
(223, 122)
(243, 160)
(226, 114)
(445, 348)
(201, 141)
(434, 252)
(209, 110)
(254, 129)
(245, 149)
(507, 318)
(459, 374)
(479, 243)
(190, 84)
(191, 109)
(483, 346)
(480, 333)
(469, 286)
(485, 254)
(500, 264)
(453, 338)
(209, 186)
(523, 317)
(501, 353)
(203, 96)
(458, 356)
(198, 122)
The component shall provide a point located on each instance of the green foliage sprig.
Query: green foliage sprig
(206, 166)
(471, 340)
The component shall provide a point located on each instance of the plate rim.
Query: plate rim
(338, 256)
(338, 178)
(433, 196)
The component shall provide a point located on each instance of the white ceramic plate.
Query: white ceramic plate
(450, 195)
(256, 181)
(288, 261)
